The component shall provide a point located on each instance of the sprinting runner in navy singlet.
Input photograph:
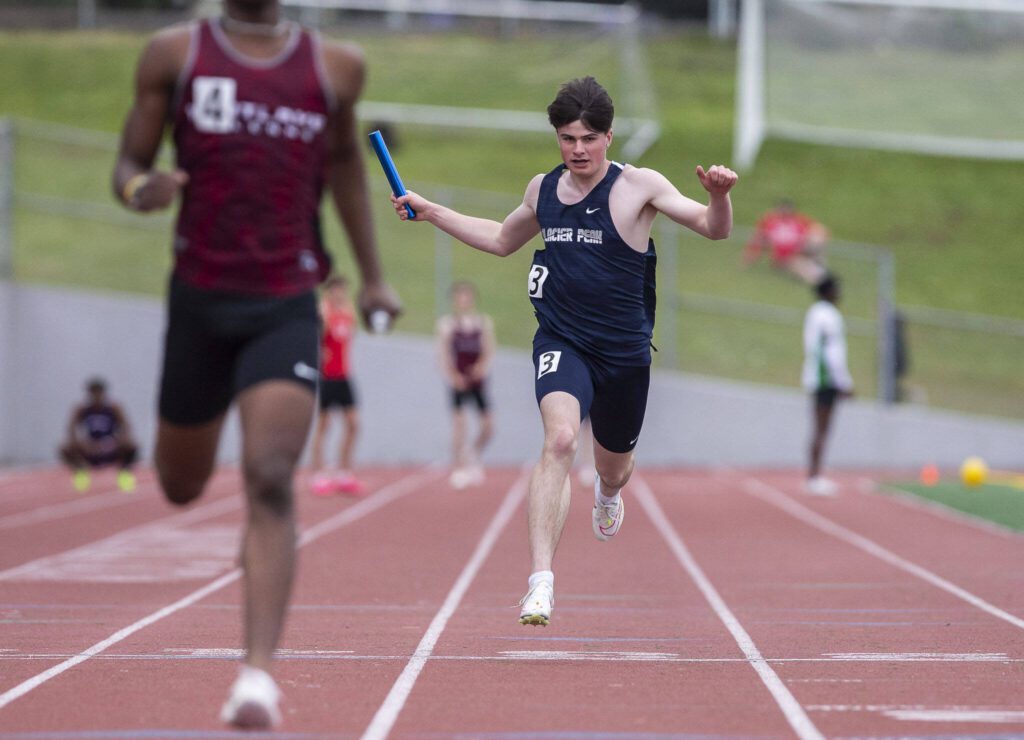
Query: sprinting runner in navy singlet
(587, 285)
(593, 292)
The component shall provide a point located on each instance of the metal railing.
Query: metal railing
(714, 318)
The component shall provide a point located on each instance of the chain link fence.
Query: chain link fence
(714, 316)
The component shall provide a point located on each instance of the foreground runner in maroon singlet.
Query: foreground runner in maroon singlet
(263, 118)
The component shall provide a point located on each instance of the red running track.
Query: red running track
(730, 605)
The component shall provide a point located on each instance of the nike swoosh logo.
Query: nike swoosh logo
(592, 210)
(303, 370)
(633, 441)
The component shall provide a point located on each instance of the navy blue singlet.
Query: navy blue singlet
(587, 285)
(98, 421)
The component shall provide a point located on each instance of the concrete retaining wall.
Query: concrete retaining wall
(52, 339)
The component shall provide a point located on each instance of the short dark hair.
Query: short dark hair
(582, 99)
(827, 286)
(96, 385)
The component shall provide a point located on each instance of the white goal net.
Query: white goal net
(934, 76)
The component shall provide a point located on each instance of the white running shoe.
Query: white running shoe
(818, 486)
(607, 519)
(537, 605)
(460, 478)
(252, 704)
(475, 474)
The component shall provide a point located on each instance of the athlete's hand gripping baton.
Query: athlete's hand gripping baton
(377, 141)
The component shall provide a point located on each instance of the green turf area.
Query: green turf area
(952, 223)
(996, 502)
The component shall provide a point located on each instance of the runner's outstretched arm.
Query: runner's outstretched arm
(713, 220)
(493, 237)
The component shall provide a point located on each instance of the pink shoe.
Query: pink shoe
(322, 485)
(348, 483)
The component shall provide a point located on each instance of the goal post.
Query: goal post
(932, 76)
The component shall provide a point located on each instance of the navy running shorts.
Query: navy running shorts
(615, 396)
(336, 392)
(218, 344)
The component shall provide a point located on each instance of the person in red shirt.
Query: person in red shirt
(795, 242)
(262, 114)
(338, 319)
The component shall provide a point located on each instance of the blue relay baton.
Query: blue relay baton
(377, 141)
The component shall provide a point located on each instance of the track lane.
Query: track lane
(864, 648)
(633, 649)
(370, 589)
(30, 636)
(37, 534)
(952, 548)
(25, 490)
(862, 645)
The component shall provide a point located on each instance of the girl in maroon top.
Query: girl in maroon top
(465, 351)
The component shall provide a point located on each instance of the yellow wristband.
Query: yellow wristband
(134, 184)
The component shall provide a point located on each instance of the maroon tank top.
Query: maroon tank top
(250, 133)
(467, 346)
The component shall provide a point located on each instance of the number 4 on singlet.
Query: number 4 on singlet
(538, 274)
(213, 104)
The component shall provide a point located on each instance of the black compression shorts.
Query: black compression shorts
(826, 396)
(217, 345)
(336, 392)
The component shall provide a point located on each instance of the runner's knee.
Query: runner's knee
(560, 441)
(616, 476)
(178, 487)
(268, 480)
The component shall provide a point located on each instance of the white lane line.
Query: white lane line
(387, 713)
(197, 553)
(384, 496)
(994, 716)
(95, 502)
(584, 655)
(791, 709)
(239, 653)
(182, 519)
(522, 656)
(920, 657)
(988, 715)
(777, 498)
